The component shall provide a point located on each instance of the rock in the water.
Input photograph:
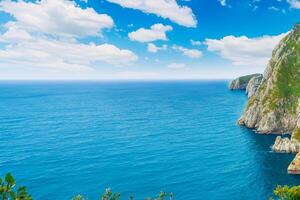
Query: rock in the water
(286, 145)
(294, 167)
(253, 85)
(275, 106)
(241, 83)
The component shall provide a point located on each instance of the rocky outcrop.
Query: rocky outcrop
(253, 85)
(274, 107)
(286, 145)
(241, 83)
(294, 167)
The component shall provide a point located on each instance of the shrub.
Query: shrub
(8, 192)
(287, 193)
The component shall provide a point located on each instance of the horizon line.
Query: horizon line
(111, 80)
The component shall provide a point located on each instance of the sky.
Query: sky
(140, 39)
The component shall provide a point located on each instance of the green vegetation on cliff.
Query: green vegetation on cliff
(296, 133)
(286, 83)
(273, 107)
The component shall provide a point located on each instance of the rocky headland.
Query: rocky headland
(274, 98)
(242, 82)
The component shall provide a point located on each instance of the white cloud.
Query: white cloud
(153, 48)
(58, 17)
(58, 54)
(176, 65)
(277, 9)
(192, 53)
(181, 15)
(28, 43)
(244, 51)
(294, 3)
(195, 42)
(222, 2)
(156, 32)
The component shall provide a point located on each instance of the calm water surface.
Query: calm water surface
(61, 139)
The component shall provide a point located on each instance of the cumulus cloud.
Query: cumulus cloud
(156, 32)
(50, 53)
(192, 53)
(59, 17)
(294, 3)
(154, 49)
(244, 51)
(167, 9)
(28, 43)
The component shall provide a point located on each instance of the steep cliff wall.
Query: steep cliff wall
(253, 85)
(274, 108)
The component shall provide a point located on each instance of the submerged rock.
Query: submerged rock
(241, 83)
(253, 85)
(294, 167)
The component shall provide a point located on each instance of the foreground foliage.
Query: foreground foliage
(109, 195)
(8, 192)
(287, 193)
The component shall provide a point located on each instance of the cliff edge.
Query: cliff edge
(274, 107)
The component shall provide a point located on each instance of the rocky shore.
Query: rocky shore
(294, 167)
(274, 98)
(286, 145)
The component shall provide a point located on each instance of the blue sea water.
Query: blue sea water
(64, 138)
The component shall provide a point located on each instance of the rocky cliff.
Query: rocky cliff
(253, 85)
(274, 101)
(274, 107)
(241, 83)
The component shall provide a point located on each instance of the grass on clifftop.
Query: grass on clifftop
(296, 133)
(287, 81)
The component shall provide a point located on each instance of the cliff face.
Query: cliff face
(253, 85)
(241, 83)
(274, 107)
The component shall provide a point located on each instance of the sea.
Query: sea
(63, 138)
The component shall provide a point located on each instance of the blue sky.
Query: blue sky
(140, 39)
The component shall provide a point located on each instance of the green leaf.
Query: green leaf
(10, 179)
(12, 195)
